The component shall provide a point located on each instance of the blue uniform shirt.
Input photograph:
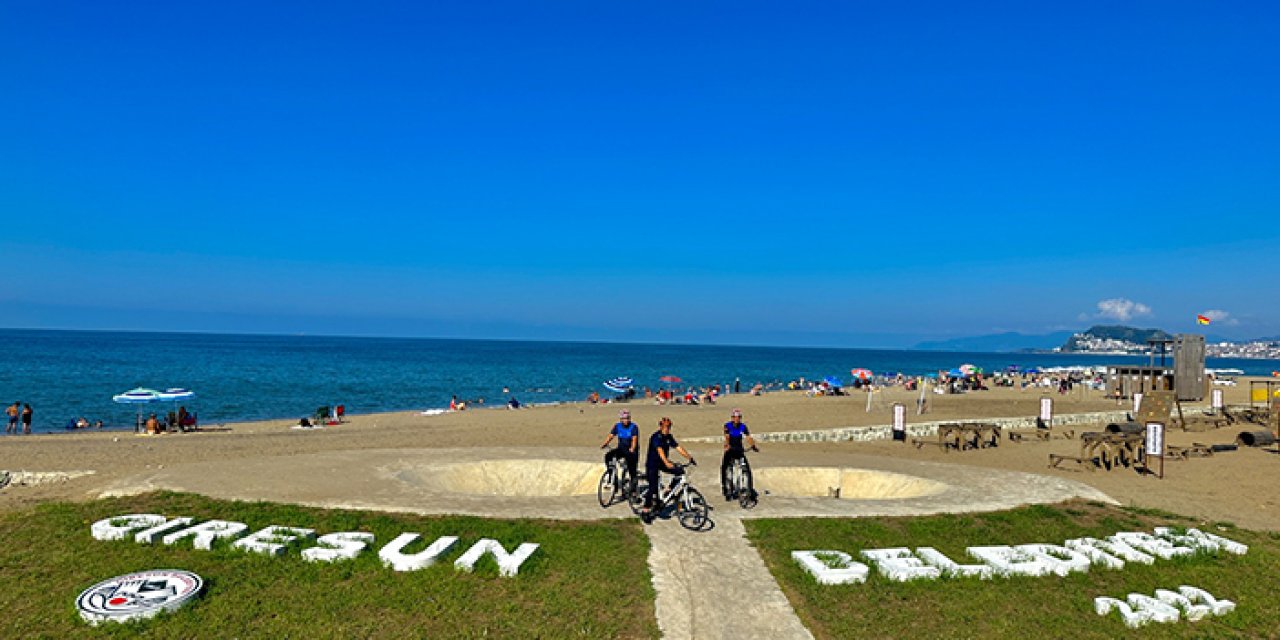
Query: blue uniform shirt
(626, 433)
(735, 433)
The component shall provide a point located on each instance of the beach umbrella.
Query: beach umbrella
(669, 379)
(139, 396)
(619, 385)
(955, 373)
(968, 369)
(834, 382)
(175, 394)
(861, 374)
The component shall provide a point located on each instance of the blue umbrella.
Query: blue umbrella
(619, 385)
(139, 396)
(956, 373)
(176, 394)
(834, 382)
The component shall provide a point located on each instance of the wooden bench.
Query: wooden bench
(920, 443)
(1196, 450)
(1057, 459)
(1043, 435)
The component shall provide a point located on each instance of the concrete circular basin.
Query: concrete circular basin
(843, 483)
(519, 478)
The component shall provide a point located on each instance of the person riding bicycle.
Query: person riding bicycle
(657, 460)
(734, 431)
(628, 435)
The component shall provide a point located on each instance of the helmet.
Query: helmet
(624, 414)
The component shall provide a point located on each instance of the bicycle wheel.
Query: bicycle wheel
(747, 498)
(607, 492)
(624, 488)
(692, 510)
(636, 499)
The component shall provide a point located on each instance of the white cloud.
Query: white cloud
(1122, 309)
(1221, 317)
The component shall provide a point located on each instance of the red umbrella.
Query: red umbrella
(671, 379)
(864, 374)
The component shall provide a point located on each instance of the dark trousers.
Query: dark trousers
(652, 474)
(632, 458)
(729, 456)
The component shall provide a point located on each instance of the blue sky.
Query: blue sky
(848, 174)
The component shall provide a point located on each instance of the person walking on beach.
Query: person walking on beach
(734, 431)
(26, 418)
(628, 448)
(657, 460)
(12, 412)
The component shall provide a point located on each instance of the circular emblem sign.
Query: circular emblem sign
(138, 595)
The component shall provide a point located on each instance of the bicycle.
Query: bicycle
(740, 485)
(615, 483)
(691, 507)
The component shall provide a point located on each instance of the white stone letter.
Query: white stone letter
(206, 532)
(818, 564)
(900, 564)
(1155, 546)
(1193, 612)
(391, 554)
(119, 527)
(935, 558)
(508, 564)
(1159, 611)
(1060, 560)
(1095, 551)
(1007, 561)
(1219, 607)
(273, 539)
(148, 536)
(1201, 540)
(338, 546)
(1132, 619)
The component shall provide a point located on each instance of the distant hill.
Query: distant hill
(998, 342)
(1078, 342)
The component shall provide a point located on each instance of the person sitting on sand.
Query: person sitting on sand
(513, 403)
(82, 423)
(153, 425)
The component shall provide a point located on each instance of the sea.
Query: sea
(64, 375)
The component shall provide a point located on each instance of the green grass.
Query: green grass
(587, 580)
(1022, 607)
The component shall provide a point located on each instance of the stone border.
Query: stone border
(923, 429)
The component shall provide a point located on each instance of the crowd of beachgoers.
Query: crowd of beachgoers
(963, 379)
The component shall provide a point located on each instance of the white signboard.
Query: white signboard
(1155, 439)
(1137, 402)
(1217, 399)
(899, 417)
(1046, 410)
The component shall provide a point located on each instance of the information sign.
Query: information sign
(899, 421)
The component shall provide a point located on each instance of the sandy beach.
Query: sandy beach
(1231, 486)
